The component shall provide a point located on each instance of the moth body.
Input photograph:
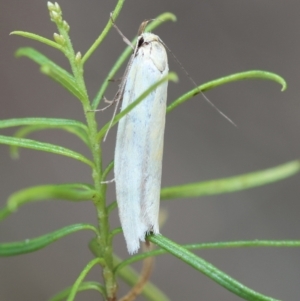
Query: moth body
(139, 144)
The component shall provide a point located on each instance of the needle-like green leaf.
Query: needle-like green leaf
(51, 69)
(34, 244)
(254, 74)
(232, 184)
(84, 286)
(208, 269)
(37, 124)
(75, 288)
(46, 147)
(74, 192)
(36, 37)
(212, 245)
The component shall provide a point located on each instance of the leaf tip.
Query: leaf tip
(173, 77)
(284, 86)
(172, 17)
(19, 52)
(168, 17)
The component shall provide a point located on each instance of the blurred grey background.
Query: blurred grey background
(211, 38)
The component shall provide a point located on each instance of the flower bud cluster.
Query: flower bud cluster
(56, 16)
(55, 12)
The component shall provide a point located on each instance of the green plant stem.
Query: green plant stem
(99, 199)
(100, 204)
(104, 240)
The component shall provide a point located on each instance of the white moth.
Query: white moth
(139, 145)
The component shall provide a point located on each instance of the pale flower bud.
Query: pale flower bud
(55, 16)
(57, 7)
(78, 57)
(59, 39)
(66, 26)
(50, 5)
(54, 7)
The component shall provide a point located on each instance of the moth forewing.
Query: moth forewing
(139, 145)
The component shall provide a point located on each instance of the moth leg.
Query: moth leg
(116, 100)
(115, 80)
(110, 102)
(108, 182)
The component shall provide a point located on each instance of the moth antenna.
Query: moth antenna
(120, 32)
(143, 27)
(194, 83)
